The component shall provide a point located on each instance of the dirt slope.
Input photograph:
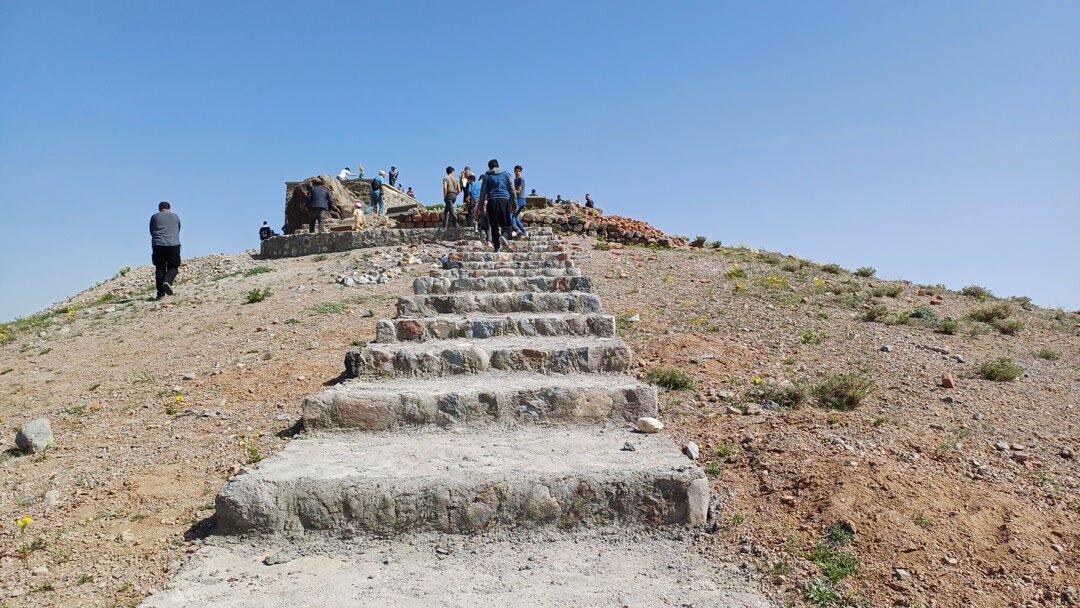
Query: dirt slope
(141, 451)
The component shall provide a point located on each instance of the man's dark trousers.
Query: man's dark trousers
(499, 217)
(166, 259)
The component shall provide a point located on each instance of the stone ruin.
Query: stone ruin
(345, 197)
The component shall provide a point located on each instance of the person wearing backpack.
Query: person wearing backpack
(377, 205)
(499, 195)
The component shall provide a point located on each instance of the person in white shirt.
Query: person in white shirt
(346, 174)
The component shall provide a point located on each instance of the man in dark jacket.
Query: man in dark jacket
(165, 246)
(498, 192)
(318, 205)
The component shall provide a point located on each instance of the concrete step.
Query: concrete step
(525, 256)
(519, 246)
(547, 355)
(526, 569)
(517, 301)
(516, 265)
(431, 285)
(457, 327)
(463, 273)
(465, 483)
(494, 397)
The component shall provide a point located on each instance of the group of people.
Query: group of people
(493, 202)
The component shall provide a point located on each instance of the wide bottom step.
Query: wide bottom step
(464, 483)
(583, 570)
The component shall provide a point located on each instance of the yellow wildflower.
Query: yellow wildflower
(24, 522)
(757, 380)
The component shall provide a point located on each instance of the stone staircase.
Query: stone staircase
(496, 403)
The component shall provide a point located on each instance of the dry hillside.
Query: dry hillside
(846, 474)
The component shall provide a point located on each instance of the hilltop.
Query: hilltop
(842, 465)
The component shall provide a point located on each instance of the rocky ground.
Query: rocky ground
(919, 495)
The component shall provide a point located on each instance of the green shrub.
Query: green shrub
(892, 291)
(602, 246)
(669, 378)
(866, 271)
(1008, 327)
(328, 308)
(924, 315)
(977, 292)
(788, 397)
(875, 312)
(257, 270)
(948, 326)
(322, 257)
(822, 595)
(989, 314)
(1048, 354)
(258, 295)
(1002, 369)
(736, 273)
(843, 392)
(835, 565)
(716, 244)
(832, 268)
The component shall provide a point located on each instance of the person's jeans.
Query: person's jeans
(318, 216)
(499, 220)
(166, 260)
(377, 205)
(449, 217)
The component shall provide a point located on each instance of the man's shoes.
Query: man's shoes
(505, 243)
(167, 288)
(159, 296)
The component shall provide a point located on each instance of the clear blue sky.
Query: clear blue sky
(935, 141)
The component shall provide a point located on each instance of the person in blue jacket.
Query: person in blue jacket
(498, 192)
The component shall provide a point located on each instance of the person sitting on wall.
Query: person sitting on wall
(346, 174)
(266, 232)
(411, 195)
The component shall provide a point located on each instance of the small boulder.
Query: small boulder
(691, 450)
(948, 380)
(649, 425)
(34, 436)
(189, 376)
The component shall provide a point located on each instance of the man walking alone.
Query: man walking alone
(165, 246)
(498, 192)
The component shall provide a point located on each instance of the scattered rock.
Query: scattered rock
(189, 375)
(40, 570)
(1058, 548)
(753, 409)
(901, 574)
(725, 395)
(1002, 446)
(634, 319)
(1066, 453)
(628, 447)
(1020, 457)
(948, 380)
(731, 409)
(887, 348)
(691, 450)
(649, 425)
(52, 498)
(958, 359)
(126, 536)
(787, 499)
(34, 436)
(952, 561)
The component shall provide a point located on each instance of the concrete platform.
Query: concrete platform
(623, 569)
(433, 285)
(539, 354)
(464, 483)
(473, 327)
(494, 397)
(487, 303)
